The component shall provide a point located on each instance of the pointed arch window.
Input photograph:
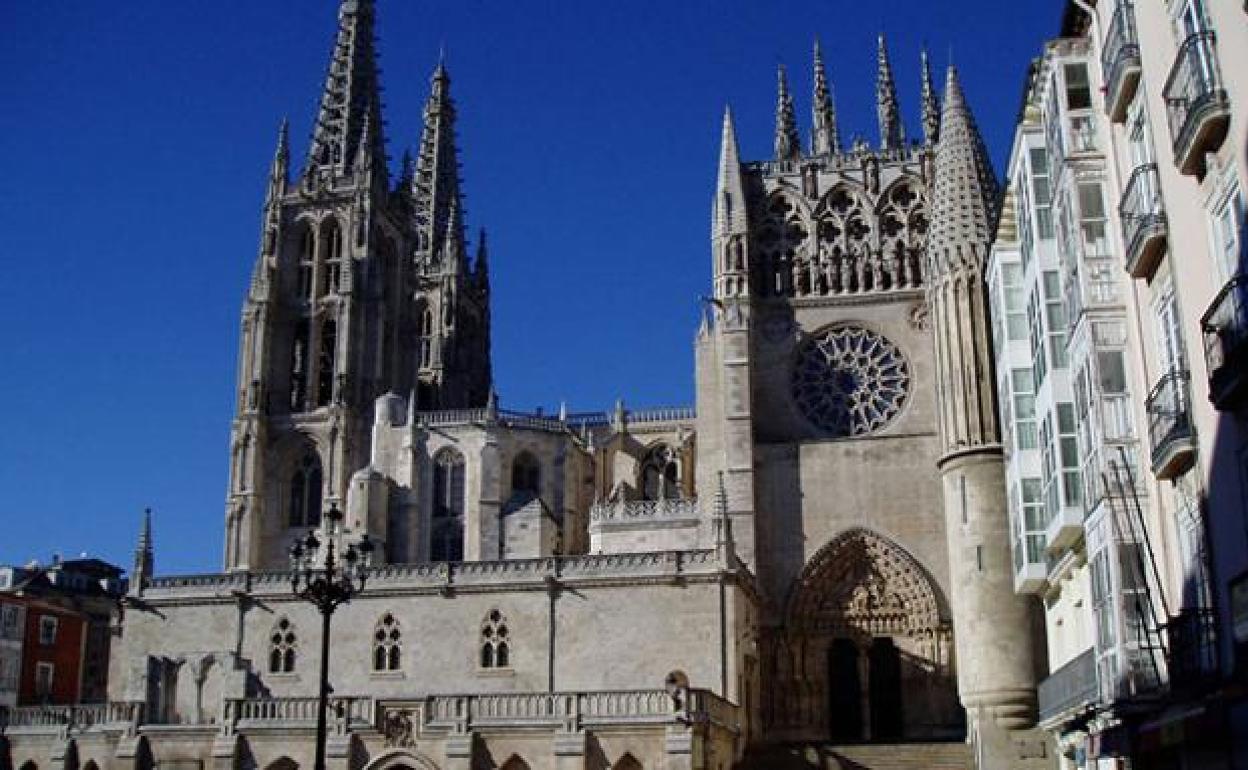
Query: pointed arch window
(282, 645)
(495, 641)
(660, 473)
(305, 492)
(426, 338)
(387, 644)
(332, 237)
(447, 536)
(526, 474)
(325, 366)
(307, 262)
(299, 367)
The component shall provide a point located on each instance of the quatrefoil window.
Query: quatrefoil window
(849, 381)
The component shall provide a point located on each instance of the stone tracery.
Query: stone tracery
(850, 381)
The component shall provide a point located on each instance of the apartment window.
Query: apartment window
(9, 668)
(10, 622)
(1068, 451)
(44, 673)
(1228, 231)
(1035, 334)
(1033, 518)
(1023, 385)
(1042, 191)
(47, 630)
(1078, 90)
(1015, 303)
(1092, 219)
(1055, 318)
(1169, 334)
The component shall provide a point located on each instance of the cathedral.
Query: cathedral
(810, 567)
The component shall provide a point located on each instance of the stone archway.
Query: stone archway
(862, 606)
(402, 759)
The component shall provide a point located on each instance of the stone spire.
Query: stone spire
(729, 207)
(144, 559)
(826, 139)
(481, 265)
(892, 135)
(931, 107)
(351, 98)
(435, 187)
(788, 143)
(279, 170)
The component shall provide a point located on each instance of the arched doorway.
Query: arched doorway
(864, 624)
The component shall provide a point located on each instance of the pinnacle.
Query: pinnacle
(788, 144)
(826, 138)
(892, 135)
(931, 108)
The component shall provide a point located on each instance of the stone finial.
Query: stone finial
(491, 406)
(144, 556)
(619, 419)
(892, 135)
(788, 142)
(931, 107)
(435, 188)
(279, 170)
(825, 139)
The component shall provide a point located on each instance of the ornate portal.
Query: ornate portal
(850, 381)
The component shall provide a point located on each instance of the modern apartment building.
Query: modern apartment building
(1139, 112)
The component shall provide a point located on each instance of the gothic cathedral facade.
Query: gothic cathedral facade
(812, 559)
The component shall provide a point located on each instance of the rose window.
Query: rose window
(849, 381)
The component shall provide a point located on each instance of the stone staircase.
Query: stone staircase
(876, 756)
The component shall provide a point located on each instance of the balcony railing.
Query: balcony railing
(1170, 425)
(1225, 329)
(1197, 107)
(1144, 225)
(1069, 689)
(1193, 652)
(1120, 61)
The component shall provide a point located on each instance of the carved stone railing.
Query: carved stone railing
(554, 423)
(639, 511)
(436, 576)
(254, 712)
(77, 717)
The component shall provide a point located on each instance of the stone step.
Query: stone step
(873, 756)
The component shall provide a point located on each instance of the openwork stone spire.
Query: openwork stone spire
(279, 171)
(931, 108)
(729, 209)
(963, 213)
(826, 139)
(788, 143)
(892, 135)
(435, 187)
(352, 97)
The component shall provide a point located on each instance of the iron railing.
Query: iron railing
(1071, 687)
(1193, 649)
(1194, 94)
(1120, 60)
(1169, 418)
(1143, 216)
(1225, 330)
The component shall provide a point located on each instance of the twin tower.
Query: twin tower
(845, 395)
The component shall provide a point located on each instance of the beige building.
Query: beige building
(810, 567)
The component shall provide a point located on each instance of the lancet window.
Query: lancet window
(325, 366)
(282, 646)
(305, 492)
(903, 235)
(526, 474)
(495, 641)
(782, 246)
(447, 536)
(387, 644)
(299, 367)
(307, 263)
(332, 236)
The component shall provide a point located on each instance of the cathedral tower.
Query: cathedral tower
(996, 679)
(360, 289)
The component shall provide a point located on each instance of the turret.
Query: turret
(993, 629)
(729, 223)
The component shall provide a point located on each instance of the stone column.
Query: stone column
(569, 750)
(459, 748)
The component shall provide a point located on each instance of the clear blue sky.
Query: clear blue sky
(136, 139)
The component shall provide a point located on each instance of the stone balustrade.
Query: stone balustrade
(116, 714)
(644, 510)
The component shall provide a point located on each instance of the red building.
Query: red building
(52, 653)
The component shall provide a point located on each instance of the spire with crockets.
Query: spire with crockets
(931, 108)
(351, 99)
(788, 143)
(826, 139)
(435, 186)
(892, 136)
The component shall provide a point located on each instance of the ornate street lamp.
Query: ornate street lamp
(326, 579)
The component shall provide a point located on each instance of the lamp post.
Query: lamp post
(326, 579)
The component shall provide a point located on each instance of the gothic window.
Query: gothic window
(526, 474)
(849, 381)
(903, 236)
(307, 261)
(495, 641)
(282, 648)
(782, 249)
(447, 536)
(426, 338)
(332, 236)
(325, 366)
(660, 473)
(387, 644)
(842, 260)
(299, 367)
(305, 492)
